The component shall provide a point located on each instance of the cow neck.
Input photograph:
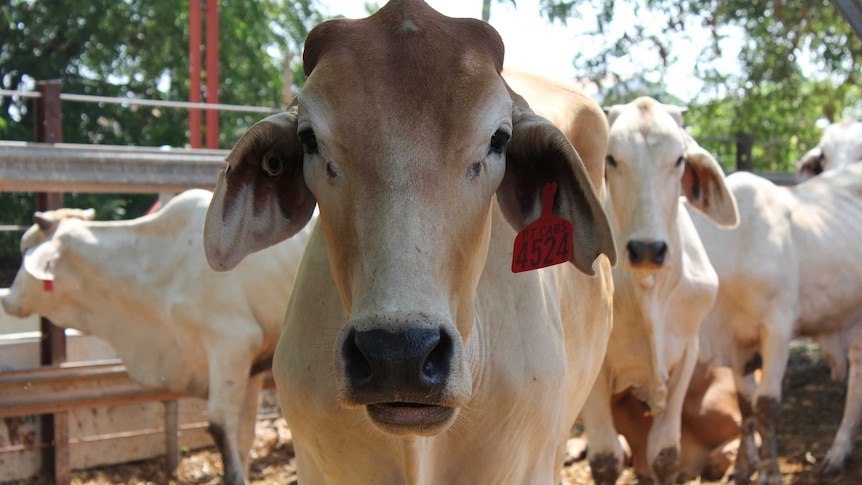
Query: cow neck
(414, 461)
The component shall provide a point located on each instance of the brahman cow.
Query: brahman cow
(840, 144)
(411, 352)
(664, 285)
(788, 270)
(144, 287)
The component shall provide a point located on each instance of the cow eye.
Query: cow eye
(474, 171)
(610, 161)
(272, 165)
(309, 141)
(499, 141)
(679, 161)
(331, 172)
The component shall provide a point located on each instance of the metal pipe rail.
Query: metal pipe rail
(89, 98)
(47, 390)
(50, 390)
(68, 167)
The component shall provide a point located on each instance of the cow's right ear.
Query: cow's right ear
(810, 164)
(261, 198)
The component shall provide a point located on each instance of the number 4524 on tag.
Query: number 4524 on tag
(545, 242)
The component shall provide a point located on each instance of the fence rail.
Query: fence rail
(89, 98)
(67, 167)
(93, 384)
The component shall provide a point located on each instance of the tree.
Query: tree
(137, 48)
(799, 63)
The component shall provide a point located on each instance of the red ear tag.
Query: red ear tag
(47, 285)
(545, 242)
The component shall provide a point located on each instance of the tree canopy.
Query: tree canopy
(799, 63)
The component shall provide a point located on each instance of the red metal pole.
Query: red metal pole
(195, 72)
(212, 72)
(52, 347)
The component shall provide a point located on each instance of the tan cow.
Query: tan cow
(789, 269)
(144, 287)
(411, 353)
(664, 286)
(710, 425)
(840, 144)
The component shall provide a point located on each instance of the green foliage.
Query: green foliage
(799, 60)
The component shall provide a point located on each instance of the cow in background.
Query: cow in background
(664, 285)
(144, 287)
(840, 144)
(411, 352)
(789, 269)
(711, 425)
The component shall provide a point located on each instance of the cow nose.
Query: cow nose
(646, 252)
(402, 362)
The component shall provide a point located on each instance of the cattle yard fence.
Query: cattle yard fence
(49, 168)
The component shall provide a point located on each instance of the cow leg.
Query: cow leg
(843, 445)
(228, 371)
(248, 419)
(663, 444)
(746, 455)
(775, 347)
(604, 451)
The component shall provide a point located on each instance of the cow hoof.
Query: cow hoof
(740, 479)
(666, 466)
(768, 478)
(830, 470)
(606, 468)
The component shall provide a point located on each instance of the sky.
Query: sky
(535, 45)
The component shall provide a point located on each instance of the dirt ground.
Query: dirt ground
(811, 412)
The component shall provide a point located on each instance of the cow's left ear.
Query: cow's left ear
(39, 261)
(539, 153)
(261, 198)
(703, 184)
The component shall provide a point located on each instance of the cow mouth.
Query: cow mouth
(410, 417)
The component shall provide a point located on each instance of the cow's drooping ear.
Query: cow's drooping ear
(810, 164)
(39, 261)
(704, 186)
(261, 197)
(539, 153)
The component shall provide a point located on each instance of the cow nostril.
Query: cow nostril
(356, 361)
(436, 365)
(659, 252)
(636, 251)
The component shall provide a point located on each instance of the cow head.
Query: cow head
(840, 144)
(650, 161)
(32, 291)
(402, 135)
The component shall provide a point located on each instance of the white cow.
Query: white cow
(144, 286)
(664, 285)
(411, 353)
(789, 269)
(840, 144)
